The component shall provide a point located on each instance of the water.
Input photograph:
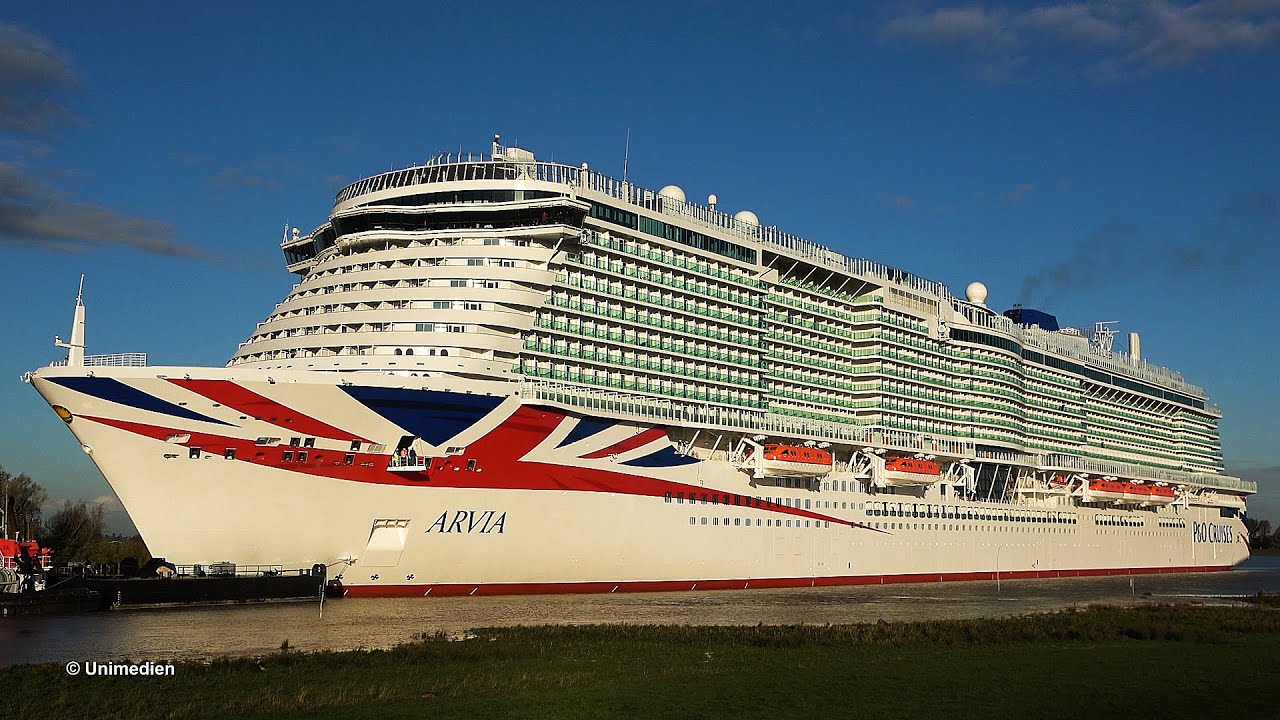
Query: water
(373, 623)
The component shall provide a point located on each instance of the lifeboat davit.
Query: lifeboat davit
(1218, 500)
(793, 461)
(910, 471)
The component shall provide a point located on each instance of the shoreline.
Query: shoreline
(1021, 664)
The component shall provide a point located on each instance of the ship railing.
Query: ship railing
(1130, 470)
(229, 569)
(674, 412)
(112, 360)
(453, 168)
(407, 464)
(706, 415)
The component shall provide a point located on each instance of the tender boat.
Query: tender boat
(793, 461)
(910, 471)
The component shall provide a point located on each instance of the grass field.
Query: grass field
(1169, 662)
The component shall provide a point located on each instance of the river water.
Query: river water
(193, 633)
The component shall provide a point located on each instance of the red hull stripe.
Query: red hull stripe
(430, 590)
(497, 466)
(263, 408)
(631, 443)
(504, 473)
(320, 461)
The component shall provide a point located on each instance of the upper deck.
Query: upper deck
(515, 165)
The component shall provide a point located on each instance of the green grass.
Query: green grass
(1171, 662)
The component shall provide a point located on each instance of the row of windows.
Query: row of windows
(458, 197)
(674, 233)
(951, 512)
(765, 522)
(1100, 376)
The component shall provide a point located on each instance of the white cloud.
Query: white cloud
(1105, 39)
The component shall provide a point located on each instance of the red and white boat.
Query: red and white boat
(1107, 490)
(779, 460)
(910, 471)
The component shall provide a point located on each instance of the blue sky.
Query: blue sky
(1105, 160)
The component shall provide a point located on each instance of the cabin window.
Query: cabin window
(471, 464)
(295, 442)
(286, 456)
(194, 453)
(349, 459)
(355, 446)
(666, 497)
(229, 454)
(309, 442)
(302, 457)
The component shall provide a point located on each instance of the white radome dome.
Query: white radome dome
(976, 293)
(673, 192)
(746, 216)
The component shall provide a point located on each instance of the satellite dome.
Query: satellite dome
(976, 293)
(746, 216)
(673, 192)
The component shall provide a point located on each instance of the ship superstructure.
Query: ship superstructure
(485, 336)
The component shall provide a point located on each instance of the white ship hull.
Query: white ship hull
(551, 503)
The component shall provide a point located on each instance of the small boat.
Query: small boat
(910, 471)
(1135, 493)
(23, 565)
(1162, 495)
(778, 460)
(1104, 490)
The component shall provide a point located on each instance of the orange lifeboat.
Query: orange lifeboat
(1135, 493)
(1162, 495)
(777, 460)
(900, 470)
(1113, 490)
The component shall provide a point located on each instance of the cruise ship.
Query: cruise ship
(501, 375)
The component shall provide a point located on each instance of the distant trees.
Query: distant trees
(22, 505)
(1261, 536)
(76, 532)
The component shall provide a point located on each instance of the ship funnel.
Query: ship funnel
(1135, 348)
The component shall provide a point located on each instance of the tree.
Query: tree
(1260, 533)
(22, 504)
(75, 532)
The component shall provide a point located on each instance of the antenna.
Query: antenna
(1103, 337)
(626, 155)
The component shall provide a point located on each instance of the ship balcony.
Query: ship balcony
(414, 464)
